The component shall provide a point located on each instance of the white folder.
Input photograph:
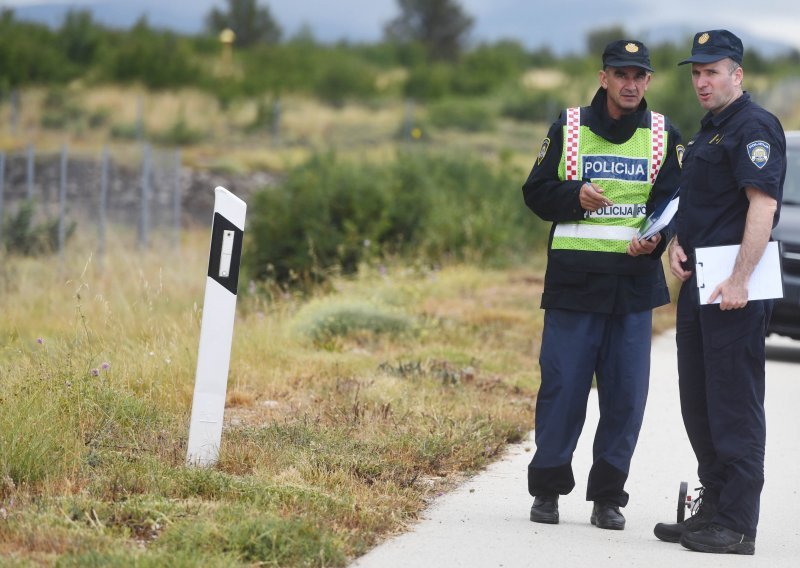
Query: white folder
(715, 264)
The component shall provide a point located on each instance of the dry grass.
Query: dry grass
(364, 131)
(329, 443)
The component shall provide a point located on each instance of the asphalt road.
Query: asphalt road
(484, 523)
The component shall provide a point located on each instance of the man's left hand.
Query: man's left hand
(637, 247)
(734, 295)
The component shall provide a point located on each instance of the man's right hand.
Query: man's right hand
(677, 257)
(592, 197)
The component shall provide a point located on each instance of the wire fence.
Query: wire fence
(91, 193)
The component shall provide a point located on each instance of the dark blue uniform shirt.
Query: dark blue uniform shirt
(741, 146)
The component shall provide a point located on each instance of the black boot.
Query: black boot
(545, 509)
(607, 516)
(718, 539)
(702, 513)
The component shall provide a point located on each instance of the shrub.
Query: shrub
(325, 321)
(157, 59)
(179, 134)
(344, 77)
(428, 82)
(61, 111)
(23, 235)
(29, 54)
(321, 217)
(536, 106)
(128, 131)
(467, 115)
(489, 67)
(330, 215)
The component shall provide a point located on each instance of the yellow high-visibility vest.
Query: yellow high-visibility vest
(626, 172)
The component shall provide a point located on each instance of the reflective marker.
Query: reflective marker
(216, 329)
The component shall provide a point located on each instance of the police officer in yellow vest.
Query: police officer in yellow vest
(600, 171)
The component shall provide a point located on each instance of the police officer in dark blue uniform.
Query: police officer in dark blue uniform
(601, 283)
(731, 188)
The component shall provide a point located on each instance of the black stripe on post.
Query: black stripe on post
(220, 225)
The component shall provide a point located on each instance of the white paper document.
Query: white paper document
(715, 264)
(659, 219)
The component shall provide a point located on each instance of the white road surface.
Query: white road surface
(484, 523)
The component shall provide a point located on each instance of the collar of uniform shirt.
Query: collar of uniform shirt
(615, 131)
(727, 112)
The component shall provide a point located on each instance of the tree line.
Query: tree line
(427, 44)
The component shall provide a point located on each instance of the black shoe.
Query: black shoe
(545, 509)
(607, 516)
(718, 539)
(702, 513)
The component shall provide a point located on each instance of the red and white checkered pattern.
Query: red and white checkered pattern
(657, 137)
(572, 143)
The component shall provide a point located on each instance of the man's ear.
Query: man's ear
(601, 75)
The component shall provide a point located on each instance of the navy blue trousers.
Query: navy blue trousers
(721, 358)
(577, 346)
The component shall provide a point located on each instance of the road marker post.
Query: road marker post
(216, 329)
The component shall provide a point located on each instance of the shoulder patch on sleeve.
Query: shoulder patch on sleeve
(679, 150)
(543, 151)
(758, 150)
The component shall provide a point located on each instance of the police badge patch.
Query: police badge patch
(758, 150)
(543, 151)
(679, 150)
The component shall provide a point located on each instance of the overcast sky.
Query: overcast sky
(561, 25)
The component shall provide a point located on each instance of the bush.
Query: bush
(467, 115)
(128, 131)
(325, 321)
(157, 59)
(321, 217)
(345, 77)
(179, 134)
(428, 82)
(331, 216)
(61, 111)
(489, 67)
(22, 235)
(29, 54)
(536, 106)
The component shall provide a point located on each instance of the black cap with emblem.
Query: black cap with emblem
(714, 45)
(627, 53)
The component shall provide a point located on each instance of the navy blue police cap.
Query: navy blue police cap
(627, 53)
(714, 45)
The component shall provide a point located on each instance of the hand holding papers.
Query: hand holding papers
(715, 264)
(660, 218)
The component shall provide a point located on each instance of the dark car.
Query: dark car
(786, 315)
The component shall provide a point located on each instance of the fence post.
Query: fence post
(62, 202)
(139, 118)
(176, 202)
(2, 192)
(276, 122)
(144, 218)
(101, 237)
(30, 170)
(14, 111)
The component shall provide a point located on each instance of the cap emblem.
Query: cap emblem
(632, 48)
(703, 38)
